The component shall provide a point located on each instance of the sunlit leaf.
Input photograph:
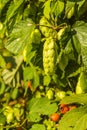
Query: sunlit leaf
(82, 122)
(47, 9)
(2, 62)
(36, 126)
(12, 8)
(40, 106)
(47, 80)
(81, 99)
(20, 36)
(57, 7)
(71, 118)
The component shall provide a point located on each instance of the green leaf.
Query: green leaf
(75, 73)
(2, 119)
(27, 73)
(81, 34)
(81, 99)
(3, 3)
(30, 73)
(20, 36)
(71, 118)
(9, 75)
(47, 80)
(82, 8)
(81, 123)
(81, 86)
(2, 87)
(47, 9)
(76, 43)
(81, 31)
(30, 53)
(2, 62)
(34, 117)
(12, 8)
(40, 106)
(63, 60)
(36, 80)
(36, 126)
(80, 3)
(57, 7)
(69, 5)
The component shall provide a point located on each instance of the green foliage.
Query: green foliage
(43, 52)
(79, 99)
(38, 107)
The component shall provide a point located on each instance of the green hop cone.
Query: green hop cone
(45, 27)
(8, 112)
(49, 94)
(60, 94)
(60, 33)
(49, 56)
(36, 36)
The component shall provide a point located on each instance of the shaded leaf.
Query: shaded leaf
(81, 34)
(2, 119)
(12, 8)
(82, 8)
(80, 3)
(62, 59)
(76, 43)
(9, 75)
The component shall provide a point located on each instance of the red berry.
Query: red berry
(63, 108)
(55, 117)
(63, 105)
